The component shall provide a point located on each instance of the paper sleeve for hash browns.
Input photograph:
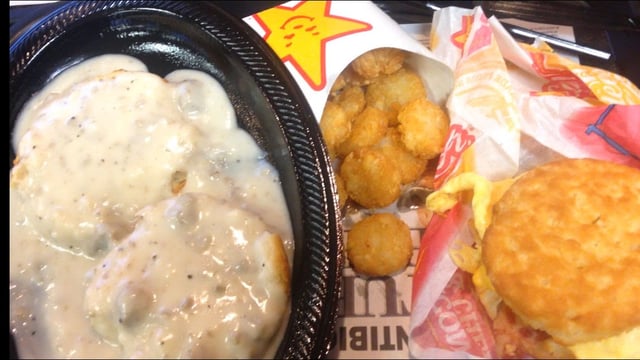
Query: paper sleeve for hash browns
(513, 106)
(316, 40)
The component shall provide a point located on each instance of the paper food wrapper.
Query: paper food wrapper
(513, 106)
(316, 40)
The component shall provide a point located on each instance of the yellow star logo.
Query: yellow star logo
(299, 36)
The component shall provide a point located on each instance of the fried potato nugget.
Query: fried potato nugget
(390, 92)
(351, 99)
(371, 179)
(423, 128)
(382, 61)
(379, 245)
(379, 104)
(348, 77)
(335, 126)
(367, 129)
(339, 84)
(411, 167)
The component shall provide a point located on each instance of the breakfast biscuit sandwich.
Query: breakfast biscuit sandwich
(556, 261)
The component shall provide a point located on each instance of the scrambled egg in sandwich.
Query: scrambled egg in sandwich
(556, 261)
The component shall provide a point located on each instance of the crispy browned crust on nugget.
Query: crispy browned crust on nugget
(376, 62)
(370, 178)
(379, 245)
(563, 249)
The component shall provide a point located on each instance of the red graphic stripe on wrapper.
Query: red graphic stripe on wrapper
(435, 244)
(606, 132)
(457, 321)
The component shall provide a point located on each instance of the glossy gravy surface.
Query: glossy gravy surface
(144, 222)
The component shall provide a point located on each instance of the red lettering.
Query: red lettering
(462, 306)
(448, 322)
(458, 141)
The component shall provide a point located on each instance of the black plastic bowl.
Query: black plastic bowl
(168, 35)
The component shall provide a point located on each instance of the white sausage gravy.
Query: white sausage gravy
(144, 223)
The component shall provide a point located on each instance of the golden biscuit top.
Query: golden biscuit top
(563, 249)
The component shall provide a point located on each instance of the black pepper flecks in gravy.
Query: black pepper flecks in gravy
(139, 213)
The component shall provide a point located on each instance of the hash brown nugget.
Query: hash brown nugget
(335, 126)
(351, 99)
(390, 92)
(348, 77)
(371, 179)
(410, 166)
(338, 85)
(367, 129)
(423, 127)
(376, 62)
(379, 245)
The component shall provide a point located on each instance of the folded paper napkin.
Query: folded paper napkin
(513, 106)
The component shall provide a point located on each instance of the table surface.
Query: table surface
(611, 26)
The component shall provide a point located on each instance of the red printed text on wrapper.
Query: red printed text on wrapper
(457, 321)
(458, 140)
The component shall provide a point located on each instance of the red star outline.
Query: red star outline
(459, 37)
(323, 42)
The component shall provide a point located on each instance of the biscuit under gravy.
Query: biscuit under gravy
(197, 278)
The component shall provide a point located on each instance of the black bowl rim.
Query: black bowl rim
(310, 330)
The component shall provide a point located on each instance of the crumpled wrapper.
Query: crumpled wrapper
(316, 40)
(513, 106)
